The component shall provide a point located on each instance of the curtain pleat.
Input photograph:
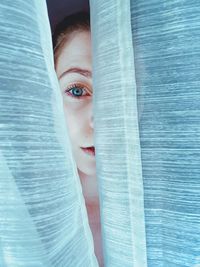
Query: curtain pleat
(166, 52)
(43, 219)
(147, 132)
(117, 144)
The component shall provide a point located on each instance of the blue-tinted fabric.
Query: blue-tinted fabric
(43, 219)
(166, 37)
(146, 115)
(165, 42)
(118, 155)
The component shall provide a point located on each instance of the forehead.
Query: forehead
(76, 52)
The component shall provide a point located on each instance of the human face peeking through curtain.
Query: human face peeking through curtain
(74, 71)
(73, 64)
(75, 78)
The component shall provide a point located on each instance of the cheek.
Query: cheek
(75, 120)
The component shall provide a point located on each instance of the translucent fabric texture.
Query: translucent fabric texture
(43, 219)
(146, 108)
(119, 166)
(166, 37)
(148, 153)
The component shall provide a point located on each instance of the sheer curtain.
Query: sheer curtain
(119, 166)
(146, 115)
(43, 219)
(166, 36)
(148, 152)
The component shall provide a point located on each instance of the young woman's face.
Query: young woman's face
(74, 71)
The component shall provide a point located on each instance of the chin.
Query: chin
(89, 172)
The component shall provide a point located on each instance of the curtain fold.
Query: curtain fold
(147, 132)
(43, 219)
(117, 136)
(165, 43)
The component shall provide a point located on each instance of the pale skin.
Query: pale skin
(74, 71)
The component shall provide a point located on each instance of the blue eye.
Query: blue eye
(77, 91)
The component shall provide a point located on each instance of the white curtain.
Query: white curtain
(43, 219)
(119, 166)
(147, 135)
(146, 81)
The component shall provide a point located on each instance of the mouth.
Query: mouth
(89, 150)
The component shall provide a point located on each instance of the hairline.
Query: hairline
(67, 36)
(77, 22)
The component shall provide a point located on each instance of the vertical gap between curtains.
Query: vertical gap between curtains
(48, 56)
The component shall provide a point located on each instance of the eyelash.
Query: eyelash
(77, 86)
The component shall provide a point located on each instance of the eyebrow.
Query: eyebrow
(83, 72)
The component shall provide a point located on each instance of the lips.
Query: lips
(89, 150)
